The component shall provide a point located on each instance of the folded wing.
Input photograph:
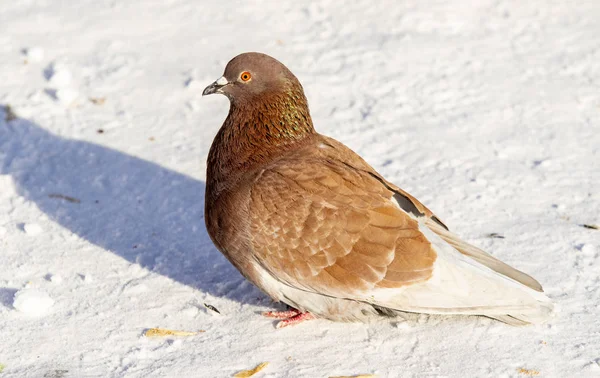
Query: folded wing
(335, 231)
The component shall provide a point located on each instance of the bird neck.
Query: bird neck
(257, 132)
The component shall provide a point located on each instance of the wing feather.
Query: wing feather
(336, 231)
(483, 257)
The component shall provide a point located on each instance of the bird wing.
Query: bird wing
(323, 227)
(412, 206)
(483, 257)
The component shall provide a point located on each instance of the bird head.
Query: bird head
(252, 74)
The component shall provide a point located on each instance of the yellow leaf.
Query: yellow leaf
(160, 332)
(98, 100)
(251, 372)
(529, 372)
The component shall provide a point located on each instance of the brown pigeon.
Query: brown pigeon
(313, 225)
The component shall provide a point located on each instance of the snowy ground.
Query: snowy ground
(488, 112)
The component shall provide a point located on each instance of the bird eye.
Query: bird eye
(245, 76)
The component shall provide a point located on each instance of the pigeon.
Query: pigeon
(310, 223)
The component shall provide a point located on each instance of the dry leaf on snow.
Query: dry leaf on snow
(251, 372)
(160, 332)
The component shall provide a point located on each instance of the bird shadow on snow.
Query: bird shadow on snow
(145, 213)
(7, 296)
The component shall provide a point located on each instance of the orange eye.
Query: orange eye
(245, 76)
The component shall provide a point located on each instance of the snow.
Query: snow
(66, 96)
(60, 77)
(34, 54)
(54, 278)
(32, 302)
(32, 229)
(488, 112)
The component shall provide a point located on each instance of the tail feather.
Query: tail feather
(464, 285)
(539, 315)
(483, 257)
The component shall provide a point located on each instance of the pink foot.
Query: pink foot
(296, 319)
(281, 314)
(289, 318)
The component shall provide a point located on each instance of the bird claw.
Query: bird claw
(288, 318)
(281, 314)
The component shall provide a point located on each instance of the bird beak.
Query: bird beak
(216, 86)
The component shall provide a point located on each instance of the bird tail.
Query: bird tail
(536, 315)
(466, 284)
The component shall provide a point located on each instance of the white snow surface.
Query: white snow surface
(488, 112)
(32, 302)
